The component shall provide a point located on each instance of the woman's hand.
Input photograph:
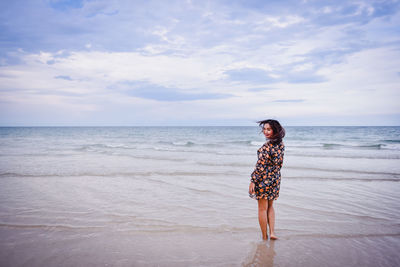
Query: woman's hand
(251, 188)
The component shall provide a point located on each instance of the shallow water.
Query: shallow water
(177, 196)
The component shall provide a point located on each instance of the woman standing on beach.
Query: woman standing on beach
(266, 177)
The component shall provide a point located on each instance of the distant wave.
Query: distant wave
(378, 146)
(187, 143)
(183, 147)
(335, 146)
(330, 155)
(38, 154)
(112, 146)
(116, 174)
(135, 156)
(179, 143)
(341, 170)
(211, 152)
(344, 179)
(246, 142)
(330, 146)
(232, 164)
(240, 142)
(396, 141)
(394, 177)
(214, 144)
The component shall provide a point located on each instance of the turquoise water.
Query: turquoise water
(177, 196)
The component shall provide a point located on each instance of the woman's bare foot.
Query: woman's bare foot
(273, 237)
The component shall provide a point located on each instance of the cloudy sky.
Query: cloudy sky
(122, 62)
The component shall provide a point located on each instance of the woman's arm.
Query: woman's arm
(259, 169)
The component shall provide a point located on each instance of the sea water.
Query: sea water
(178, 196)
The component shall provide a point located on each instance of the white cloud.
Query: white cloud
(270, 22)
(354, 86)
(326, 60)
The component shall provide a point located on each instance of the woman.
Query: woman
(266, 177)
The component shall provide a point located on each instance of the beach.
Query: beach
(178, 196)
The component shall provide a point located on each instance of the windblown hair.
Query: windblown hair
(278, 130)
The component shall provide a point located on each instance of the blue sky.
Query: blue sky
(199, 62)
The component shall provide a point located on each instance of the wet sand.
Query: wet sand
(47, 247)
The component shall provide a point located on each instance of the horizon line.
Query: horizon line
(87, 126)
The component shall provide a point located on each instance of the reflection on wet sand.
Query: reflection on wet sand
(262, 254)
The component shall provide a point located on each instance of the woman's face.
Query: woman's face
(267, 130)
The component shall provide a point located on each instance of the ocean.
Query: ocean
(178, 196)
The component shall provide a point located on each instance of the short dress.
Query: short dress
(267, 172)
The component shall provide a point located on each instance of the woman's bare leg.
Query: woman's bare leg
(262, 217)
(271, 219)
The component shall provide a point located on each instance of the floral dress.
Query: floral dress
(267, 173)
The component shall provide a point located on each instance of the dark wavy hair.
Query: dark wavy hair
(278, 130)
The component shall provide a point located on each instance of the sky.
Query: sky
(187, 63)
